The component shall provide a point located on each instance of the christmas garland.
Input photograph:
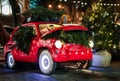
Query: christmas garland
(77, 37)
(23, 38)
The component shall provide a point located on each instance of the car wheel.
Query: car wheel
(46, 63)
(10, 61)
(84, 64)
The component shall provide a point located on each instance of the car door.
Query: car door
(27, 57)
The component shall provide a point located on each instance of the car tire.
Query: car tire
(46, 63)
(10, 61)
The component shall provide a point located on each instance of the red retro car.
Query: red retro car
(47, 47)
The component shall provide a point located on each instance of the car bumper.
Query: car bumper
(72, 53)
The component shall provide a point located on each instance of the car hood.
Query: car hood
(66, 28)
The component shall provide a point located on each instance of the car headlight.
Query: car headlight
(91, 43)
(58, 44)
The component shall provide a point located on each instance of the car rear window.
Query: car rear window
(72, 36)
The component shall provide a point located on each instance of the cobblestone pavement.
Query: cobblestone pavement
(27, 76)
(111, 73)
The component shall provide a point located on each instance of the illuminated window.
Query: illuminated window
(6, 10)
(5, 7)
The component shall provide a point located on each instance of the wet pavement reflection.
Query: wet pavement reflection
(31, 72)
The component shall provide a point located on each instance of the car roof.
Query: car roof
(63, 27)
(67, 28)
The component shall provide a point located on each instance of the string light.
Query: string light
(118, 4)
(109, 4)
(84, 3)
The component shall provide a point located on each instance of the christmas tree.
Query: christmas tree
(100, 19)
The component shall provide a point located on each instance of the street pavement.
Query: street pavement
(111, 73)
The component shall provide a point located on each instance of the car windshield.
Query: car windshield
(47, 27)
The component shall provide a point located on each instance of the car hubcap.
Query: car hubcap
(45, 62)
(11, 61)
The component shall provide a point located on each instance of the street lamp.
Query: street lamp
(63, 6)
(72, 7)
(49, 6)
(60, 6)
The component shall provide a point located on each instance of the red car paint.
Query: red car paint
(68, 52)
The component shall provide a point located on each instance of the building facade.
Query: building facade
(6, 10)
(74, 8)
